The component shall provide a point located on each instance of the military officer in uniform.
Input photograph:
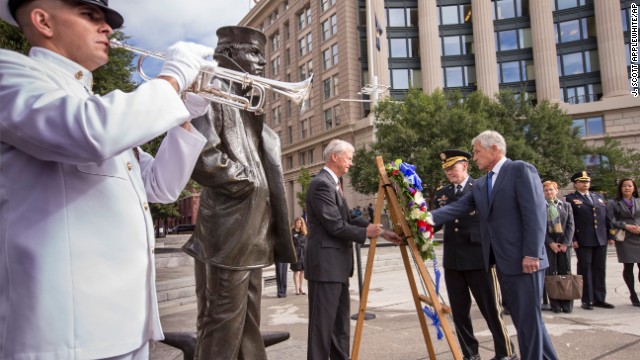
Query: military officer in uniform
(590, 240)
(464, 268)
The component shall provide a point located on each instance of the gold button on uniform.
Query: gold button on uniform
(129, 166)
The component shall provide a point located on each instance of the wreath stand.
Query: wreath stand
(402, 228)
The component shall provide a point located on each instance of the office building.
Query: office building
(573, 52)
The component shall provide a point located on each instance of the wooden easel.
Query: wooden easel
(387, 191)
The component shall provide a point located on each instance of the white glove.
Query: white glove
(183, 61)
(196, 104)
(429, 220)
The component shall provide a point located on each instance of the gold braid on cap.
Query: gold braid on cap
(452, 160)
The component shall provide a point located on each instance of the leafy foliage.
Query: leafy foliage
(421, 126)
(11, 38)
(609, 163)
(304, 179)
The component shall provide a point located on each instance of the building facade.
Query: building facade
(573, 52)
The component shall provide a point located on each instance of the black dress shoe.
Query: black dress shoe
(603, 304)
(634, 300)
(512, 357)
(546, 307)
(473, 357)
(587, 306)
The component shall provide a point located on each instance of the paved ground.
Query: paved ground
(395, 332)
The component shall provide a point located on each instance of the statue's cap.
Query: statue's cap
(241, 35)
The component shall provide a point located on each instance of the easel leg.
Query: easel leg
(367, 279)
(417, 302)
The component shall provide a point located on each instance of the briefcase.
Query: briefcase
(563, 287)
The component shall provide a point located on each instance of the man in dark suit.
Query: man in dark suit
(590, 240)
(513, 221)
(329, 256)
(464, 268)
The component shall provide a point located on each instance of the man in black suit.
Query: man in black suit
(329, 256)
(590, 240)
(463, 263)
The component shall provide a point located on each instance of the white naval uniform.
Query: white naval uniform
(76, 236)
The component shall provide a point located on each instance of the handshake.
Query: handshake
(375, 230)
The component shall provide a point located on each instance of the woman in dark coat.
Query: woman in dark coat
(560, 228)
(624, 215)
(299, 235)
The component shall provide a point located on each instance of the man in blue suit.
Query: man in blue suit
(513, 220)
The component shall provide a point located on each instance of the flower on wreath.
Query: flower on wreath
(413, 204)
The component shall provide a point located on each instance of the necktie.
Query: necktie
(340, 189)
(489, 183)
(458, 190)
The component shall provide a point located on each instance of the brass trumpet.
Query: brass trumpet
(205, 86)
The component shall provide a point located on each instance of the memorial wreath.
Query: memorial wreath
(408, 186)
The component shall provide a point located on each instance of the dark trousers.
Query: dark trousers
(591, 265)
(522, 294)
(483, 285)
(228, 320)
(281, 278)
(329, 306)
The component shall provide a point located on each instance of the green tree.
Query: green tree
(304, 179)
(11, 38)
(609, 163)
(418, 128)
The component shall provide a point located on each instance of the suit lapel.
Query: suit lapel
(499, 181)
(341, 202)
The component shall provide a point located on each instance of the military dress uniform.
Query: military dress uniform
(77, 264)
(591, 229)
(464, 271)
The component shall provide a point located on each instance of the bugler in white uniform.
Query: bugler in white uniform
(76, 236)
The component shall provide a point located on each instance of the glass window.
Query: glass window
(400, 79)
(451, 45)
(572, 64)
(524, 38)
(569, 30)
(327, 89)
(589, 28)
(508, 40)
(510, 71)
(468, 44)
(453, 76)
(449, 15)
(566, 4)
(592, 61)
(398, 48)
(396, 17)
(416, 77)
(465, 13)
(625, 26)
(593, 125)
(413, 16)
(505, 9)
(415, 47)
(328, 119)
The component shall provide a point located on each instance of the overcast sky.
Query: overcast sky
(156, 24)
